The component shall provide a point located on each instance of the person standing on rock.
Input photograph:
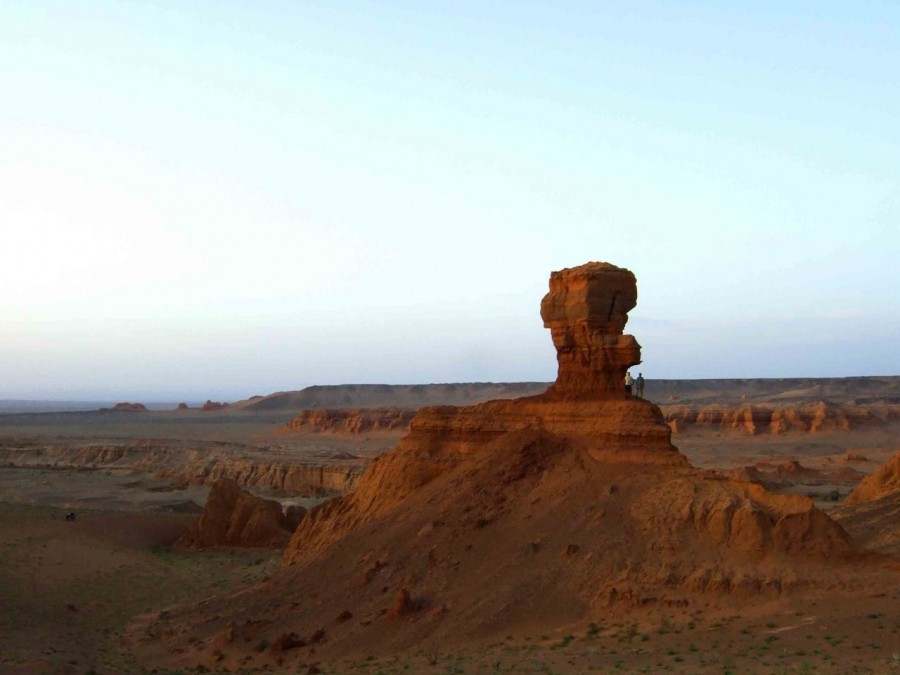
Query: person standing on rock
(628, 382)
(640, 385)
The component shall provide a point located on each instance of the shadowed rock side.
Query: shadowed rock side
(536, 512)
(234, 517)
(871, 513)
(884, 481)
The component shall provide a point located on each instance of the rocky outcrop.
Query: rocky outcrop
(351, 421)
(542, 512)
(585, 413)
(874, 524)
(213, 405)
(234, 517)
(817, 417)
(586, 311)
(883, 482)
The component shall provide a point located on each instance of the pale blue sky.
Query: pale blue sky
(219, 199)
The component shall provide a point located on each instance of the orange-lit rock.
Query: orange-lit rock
(586, 311)
(234, 517)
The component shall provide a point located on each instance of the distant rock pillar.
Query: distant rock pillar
(586, 311)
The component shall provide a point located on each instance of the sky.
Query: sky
(221, 199)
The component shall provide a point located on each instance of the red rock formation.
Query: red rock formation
(351, 421)
(776, 419)
(470, 513)
(586, 412)
(234, 517)
(213, 405)
(182, 406)
(586, 311)
(885, 481)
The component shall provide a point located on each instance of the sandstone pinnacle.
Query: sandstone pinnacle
(586, 311)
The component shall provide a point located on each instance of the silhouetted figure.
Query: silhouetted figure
(70, 517)
(628, 382)
(640, 385)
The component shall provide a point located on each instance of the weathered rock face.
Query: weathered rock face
(351, 421)
(234, 517)
(885, 481)
(586, 311)
(778, 419)
(871, 513)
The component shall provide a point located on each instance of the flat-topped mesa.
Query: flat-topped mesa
(586, 311)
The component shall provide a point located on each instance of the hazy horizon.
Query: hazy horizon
(207, 200)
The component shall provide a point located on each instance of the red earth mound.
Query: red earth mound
(515, 515)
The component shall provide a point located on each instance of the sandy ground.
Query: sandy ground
(69, 589)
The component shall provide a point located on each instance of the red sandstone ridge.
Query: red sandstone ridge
(778, 419)
(885, 481)
(234, 517)
(537, 512)
(351, 421)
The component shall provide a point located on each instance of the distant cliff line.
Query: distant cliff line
(747, 390)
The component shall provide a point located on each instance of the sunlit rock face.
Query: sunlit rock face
(586, 311)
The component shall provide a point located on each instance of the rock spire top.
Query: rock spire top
(586, 311)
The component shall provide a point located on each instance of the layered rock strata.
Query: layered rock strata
(194, 464)
(871, 513)
(813, 418)
(586, 311)
(351, 421)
